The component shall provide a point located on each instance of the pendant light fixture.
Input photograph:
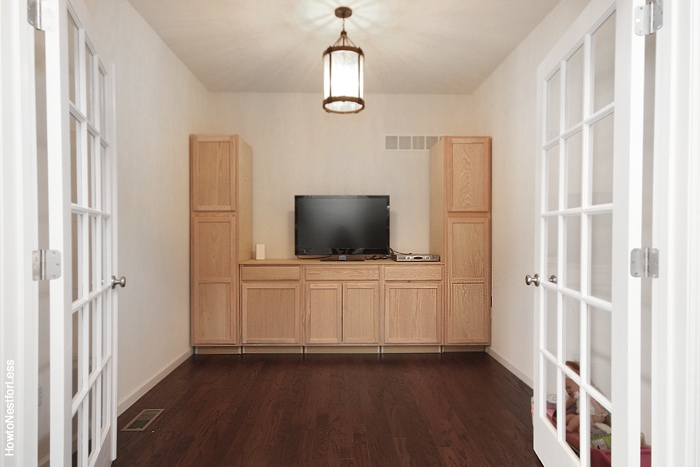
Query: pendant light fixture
(343, 67)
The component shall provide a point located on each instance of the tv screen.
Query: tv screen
(341, 225)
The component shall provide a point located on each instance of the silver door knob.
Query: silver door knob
(552, 279)
(529, 280)
(116, 282)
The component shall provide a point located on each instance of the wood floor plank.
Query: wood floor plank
(456, 409)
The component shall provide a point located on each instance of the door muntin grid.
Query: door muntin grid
(91, 228)
(576, 225)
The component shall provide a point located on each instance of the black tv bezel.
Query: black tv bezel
(338, 252)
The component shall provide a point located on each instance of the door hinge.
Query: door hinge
(644, 262)
(46, 265)
(42, 14)
(649, 18)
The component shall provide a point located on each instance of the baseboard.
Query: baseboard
(137, 393)
(512, 368)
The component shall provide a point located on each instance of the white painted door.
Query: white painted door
(589, 219)
(82, 223)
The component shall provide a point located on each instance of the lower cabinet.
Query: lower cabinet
(413, 299)
(270, 305)
(291, 303)
(342, 311)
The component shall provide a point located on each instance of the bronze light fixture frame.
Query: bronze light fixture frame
(343, 44)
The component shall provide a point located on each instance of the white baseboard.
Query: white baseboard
(147, 385)
(512, 368)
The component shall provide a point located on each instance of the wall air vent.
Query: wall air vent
(410, 143)
(142, 420)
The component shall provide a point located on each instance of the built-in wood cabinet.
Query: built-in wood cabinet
(271, 305)
(240, 302)
(413, 299)
(220, 220)
(214, 279)
(342, 305)
(460, 232)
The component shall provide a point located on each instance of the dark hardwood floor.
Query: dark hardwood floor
(456, 409)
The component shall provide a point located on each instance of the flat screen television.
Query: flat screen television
(341, 226)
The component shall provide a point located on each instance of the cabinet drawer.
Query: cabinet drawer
(335, 273)
(270, 273)
(414, 272)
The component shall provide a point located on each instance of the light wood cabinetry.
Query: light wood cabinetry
(271, 305)
(342, 305)
(221, 218)
(237, 301)
(460, 232)
(413, 304)
(214, 279)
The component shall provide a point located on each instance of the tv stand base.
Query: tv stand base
(344, 258)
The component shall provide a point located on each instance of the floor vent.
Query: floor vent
(143, 420)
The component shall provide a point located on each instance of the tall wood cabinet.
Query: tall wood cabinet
(220, 234)
(460, 232)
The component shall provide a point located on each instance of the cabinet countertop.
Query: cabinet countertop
(319, 262)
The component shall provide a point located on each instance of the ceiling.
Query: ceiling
(410, 46)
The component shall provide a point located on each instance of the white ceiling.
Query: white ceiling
(410, 46)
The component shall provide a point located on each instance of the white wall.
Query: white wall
(300, 149)
(159, 103)
(505, 106)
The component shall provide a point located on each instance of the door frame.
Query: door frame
(676, 230)
(19, 294)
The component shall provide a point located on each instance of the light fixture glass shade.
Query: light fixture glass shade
(343, 68)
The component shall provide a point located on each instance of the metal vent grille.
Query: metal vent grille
(143, 420)
(410, 142)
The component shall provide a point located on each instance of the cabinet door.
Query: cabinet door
(271, 313)
(214, 280)
(469, 175)
(213, 173)
(413, 312)
(469, 294)
(469, 316)
(468, 248)
(361, 313)
(323, 313)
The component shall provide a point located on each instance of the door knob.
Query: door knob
(529, 280)
(552, 279)
(116, 282)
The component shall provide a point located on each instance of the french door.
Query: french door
(82, 199)
(590, 109)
